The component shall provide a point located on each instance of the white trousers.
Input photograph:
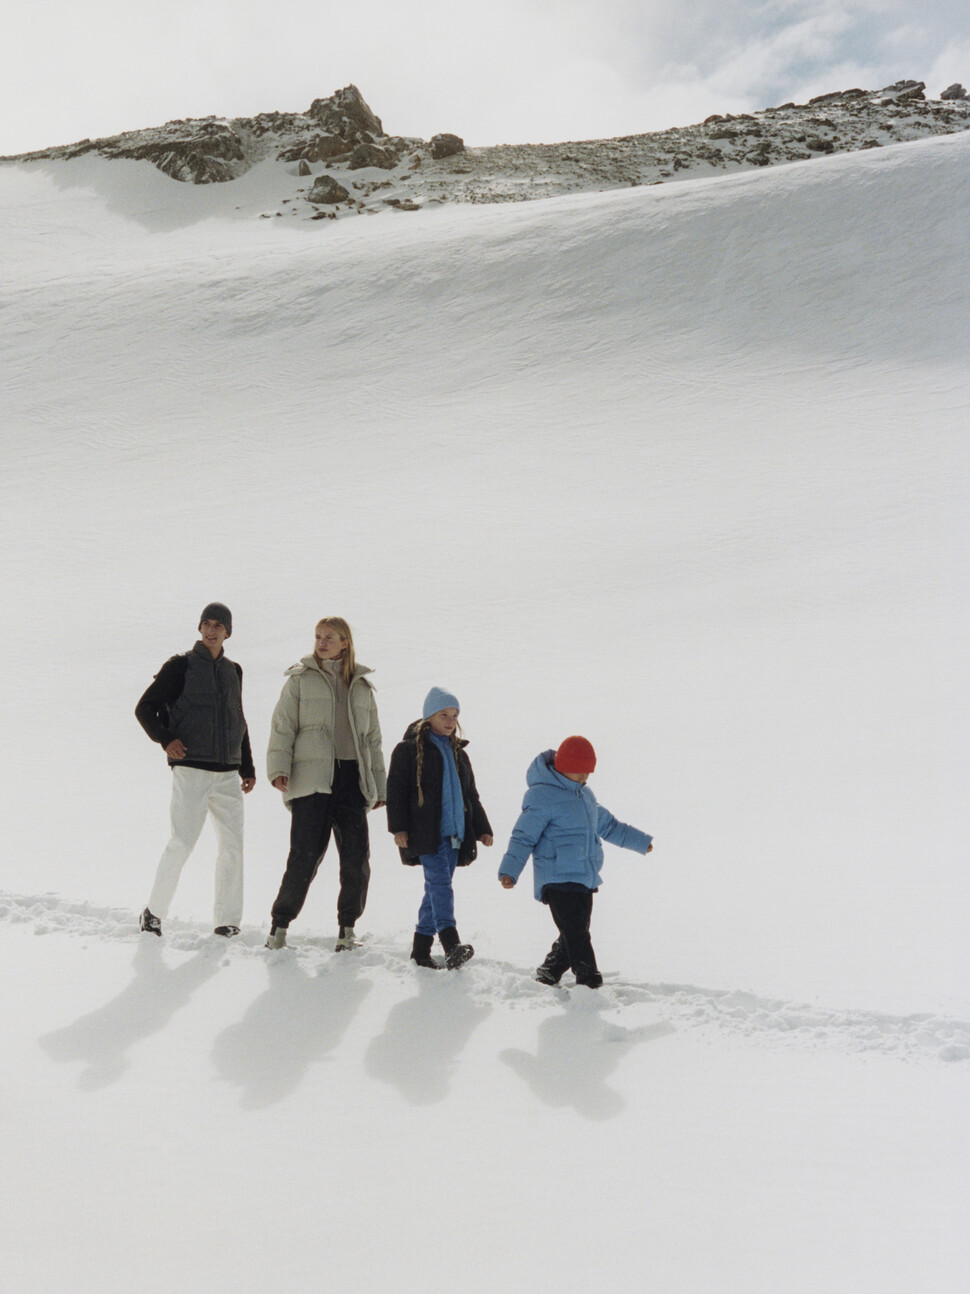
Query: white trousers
(196, 793)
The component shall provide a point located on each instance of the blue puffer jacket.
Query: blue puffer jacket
(561, 826)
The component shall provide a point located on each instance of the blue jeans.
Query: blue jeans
(437, 910)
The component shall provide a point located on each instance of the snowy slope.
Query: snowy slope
(682, 469)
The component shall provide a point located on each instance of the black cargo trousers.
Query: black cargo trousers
(344, 813)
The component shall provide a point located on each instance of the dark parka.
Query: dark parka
(422, 822)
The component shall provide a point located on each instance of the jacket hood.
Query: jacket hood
(311, 663)
(542, 772)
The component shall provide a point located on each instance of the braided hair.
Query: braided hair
(420, 734)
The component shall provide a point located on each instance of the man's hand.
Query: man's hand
(506, 882)
(487, 841)
(281, 782)
(176, 750)
(247, 784)
(401, 840)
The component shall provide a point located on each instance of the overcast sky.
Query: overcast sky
(502, 71)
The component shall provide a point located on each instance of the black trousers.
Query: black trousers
(572, 911)
(344, 812)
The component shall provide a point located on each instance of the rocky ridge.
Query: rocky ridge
(336, 159)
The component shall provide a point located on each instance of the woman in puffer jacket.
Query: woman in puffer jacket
(561, 825)
(325, 757)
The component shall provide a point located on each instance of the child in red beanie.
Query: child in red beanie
(561, 826)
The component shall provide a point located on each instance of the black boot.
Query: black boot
(456, 953)
(588, 975)
(556, 964)
(150, 924)
(421, 951)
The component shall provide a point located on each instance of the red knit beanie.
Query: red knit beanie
(575, 755)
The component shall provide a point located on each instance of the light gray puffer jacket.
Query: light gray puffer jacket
(301, 743)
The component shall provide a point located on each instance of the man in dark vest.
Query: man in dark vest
(194, 710)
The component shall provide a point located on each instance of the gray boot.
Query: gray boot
(276, 938)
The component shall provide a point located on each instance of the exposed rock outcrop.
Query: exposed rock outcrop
(355, 168)
(345, 113)
(199, 152)
(906, 90)
(326, 192)
(317, 148)
(371, 155)
(446, 145)
(212, 150)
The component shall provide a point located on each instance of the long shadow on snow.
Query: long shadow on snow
(576, 1052)
(298, 1021)
(424, 1036)
(102, 1038)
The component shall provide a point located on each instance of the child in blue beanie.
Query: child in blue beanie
(436, 817)
(560, 826)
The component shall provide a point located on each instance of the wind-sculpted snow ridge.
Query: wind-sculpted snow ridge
(758, 1019)
(335, 159)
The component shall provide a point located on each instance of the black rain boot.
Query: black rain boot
(456, 953)
(556, 964)
(421, 951)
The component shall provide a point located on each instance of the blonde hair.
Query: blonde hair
(419, 735)
(347, 658)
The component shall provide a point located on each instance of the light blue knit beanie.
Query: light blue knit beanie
(438, 699)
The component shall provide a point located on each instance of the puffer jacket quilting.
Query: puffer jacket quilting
(561, 825)
(301, 744)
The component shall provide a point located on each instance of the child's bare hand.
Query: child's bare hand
(401, 840)
(488, 841)
(506, 882)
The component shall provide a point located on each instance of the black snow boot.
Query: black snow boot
(556, 964)
(421, 952)
(588, 975)
(456, 953)
(150, 924)
(227, 932)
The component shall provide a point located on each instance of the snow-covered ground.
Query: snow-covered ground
(683, 469)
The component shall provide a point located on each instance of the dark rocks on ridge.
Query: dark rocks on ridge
(327, 192)
(371, 155)
(315, 148)
(342, 137)
(346, 106)
(446, 145)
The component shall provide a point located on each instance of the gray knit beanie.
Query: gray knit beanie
(217, 611)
